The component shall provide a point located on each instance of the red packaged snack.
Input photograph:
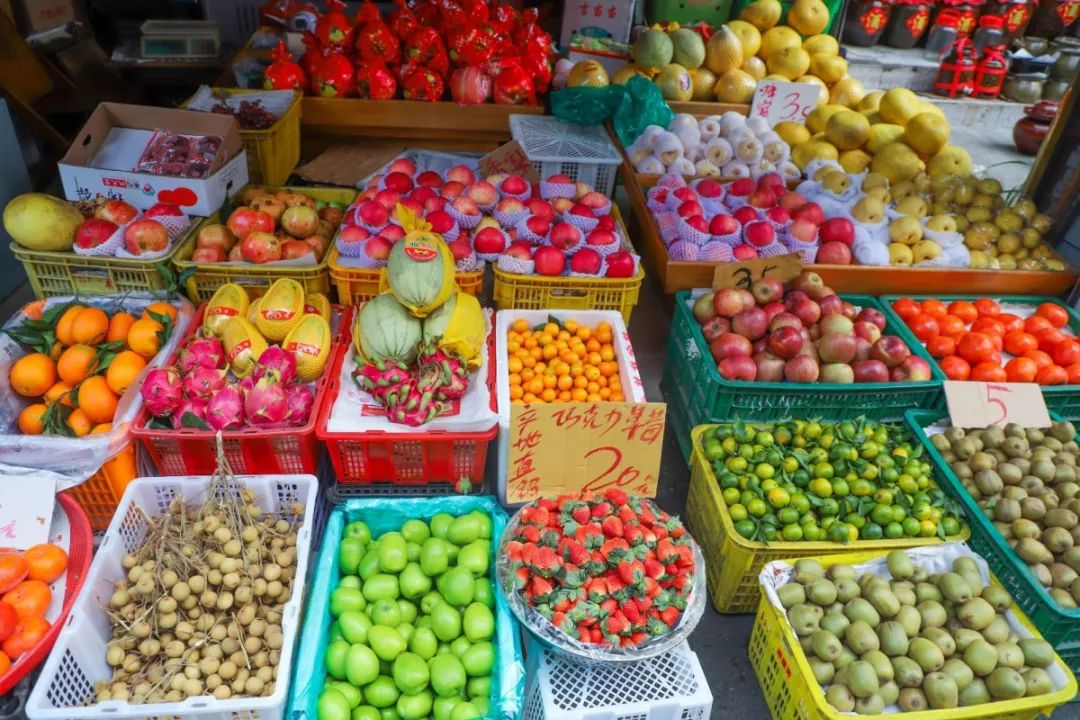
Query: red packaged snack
(421, 83)
(333, 30)
(402, 21)
(174, 155)
(470, 45)
(283, 73)
(424, 46)
(374, 38)
(334, 77)
(375, 81)
(512, 84)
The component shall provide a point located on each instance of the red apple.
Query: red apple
(869, 314)
(767, 290)
(145, 236)
(837, 373)
(93, 232)
(745, 214)
(461, 174)
(605, 222)
(429, 178)
(744, 252)
(728, 302)
(698, 223)
(684, 194)
(838, 229)
(353, 234)
(773, 309)
(565, 236)
(774, 181)
(807, 310)
(378, 248)
(560, 180)
(836, 325)
(831, 305)
(489, 241)
(402, 165)
(810, 211)
(849, 310)
(162, 210)
(807, 279)
(452, 190)
(833, 253)
(460, 248)
(413, 204)
(870, 371)
(482, 193)
(519, 249)
(740, 367)
(785, 341)
(836, 348)
(784, 319)
(689, 209)
(751, 323)
(769, 367)
(763, 197)
(244, 221)
(601, 237)
(117, 212)
(709, 188)
(912, 369)
(207, 255)
(868, 331)
(440, 221)
(714, 327)
(540, 208)
(803, 230)
(514, 185)
(791, 200)
(890, 350)
(619, 264)
(723, 224)
(741, 187)
(730, 345)
(801, 369)
(862, 348)
(388, 199)
(422, 194)
(550, 261)
(586, 261)
(778, 215)
(539, 226)
(759, 234)
(399, 182)
(392, 232)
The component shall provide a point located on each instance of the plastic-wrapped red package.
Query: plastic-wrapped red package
(534, 60)
(175, 155)
(529, 32)
(450, 15)
(334, 30)
(334, 77)
(512, 84)
(476, 10)
(502, 18)
(470, 85)
(424, 46)
(374, 38)
(471, 45)
(421, 83)
(283, 73)
(375, 81)
(427, 13)
(312, 57)
(402, 21)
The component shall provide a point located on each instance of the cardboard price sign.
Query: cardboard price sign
(509, 159)
(741, 274)
(980, 404)
(558, 449)
(778, 101)
(26, 510)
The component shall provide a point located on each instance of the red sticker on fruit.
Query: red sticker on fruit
(420, 249)
(278, 314)
(239, 348)
(306, 348)
(222, 310)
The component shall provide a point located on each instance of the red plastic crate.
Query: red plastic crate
(250, 451)
(413, 459)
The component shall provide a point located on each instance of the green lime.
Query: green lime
(883, 496)
(812, 430)
(738, 512)
(792, 533)
(838, 532)
(821, 487)
(881, 514)
(812, 533)
(840, 487)
(764, 471)
(927, 528)
(950, 525)
(861, 488)
(728, 480)
(871, 531)
(911, 527)
(770, 533)
(788, 515)
(829, 507)
(757, 507)
(899, 512)
(745, 528)
(778, 497)
(894, 531)
(731, 496)
(764, 438)
(736, 464)
(800, 502)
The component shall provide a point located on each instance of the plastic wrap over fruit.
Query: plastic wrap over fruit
(424, 46)
(402, 20)
(73, 460)
(558, 640)
(458, 327)
(421, 83)
(512, 84)
(470, 85)
(334, 77)
(383, 515)
(375, 81)
(374, 38)
(471, 44)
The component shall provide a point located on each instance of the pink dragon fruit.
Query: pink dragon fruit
(408, 405)
(162, 391)
(225, 410)
(203, 382)
(301, 400)
(203, 351)
(274, 358)
(442, 374)
(266, 403)
(378, 378)
(190, 406)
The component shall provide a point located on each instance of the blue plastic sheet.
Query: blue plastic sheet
(383, 515)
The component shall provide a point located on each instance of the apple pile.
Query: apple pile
(559, 227)
(269, 225)
(805, 334)
(126, 229)
(745, 219)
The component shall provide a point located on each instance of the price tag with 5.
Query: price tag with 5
(980, 405)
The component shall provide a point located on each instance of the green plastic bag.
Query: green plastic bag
(631, 107)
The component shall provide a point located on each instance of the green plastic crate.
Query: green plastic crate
(690, 376)
(1061, 399)
(1059, 626)
(685, 12)
(785, 5)
(383, 515)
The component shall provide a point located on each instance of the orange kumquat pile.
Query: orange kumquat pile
(561, 363)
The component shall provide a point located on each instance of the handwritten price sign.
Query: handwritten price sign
(26, 510)
(509, 159)
(778, 101)
(556, 449)
(741, 274)
(979, 404)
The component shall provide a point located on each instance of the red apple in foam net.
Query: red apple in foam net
(452, 190)
(772, 310)
(836, 348)
(759, 234)
(117, 212)
(868, 331)
(744, 252)
(619, 264)
(730, 345)
(489, 241)
(565, 236)
(581, 189)
(810, 211)
(594, 200)
(737, 368)
(562, 205)
(582, 211)
(538, 226)
(466, 206)
(709, 188)
(602, 238)
(836, 325)
(435, 204)
(461, 174)
(514, 185)
(741, 187)
(440, 221)
(689, 209)
(398, 182)
(870, 371)
(392, 232)
(684, 194)
(838, 229)
(519, 249)
(549, 261)
(402, 165)
(162, 209)
(801, 369)
(714, 327)
(586, 261)
(807, 310)
(745, 215)
(770, 368)
(353, 234)
(728, 302)
(766, 290)
(785, 341)
(778, 215)
(388, 199)
(871, 315)
(373, 213)
(605, 222)
(890, 350)
(774, 181)
(540, 208)
(791, 200)
(831, 305)
(698, 223)
(833, 253)
(559, 179)
(763, 197)
(803, 230)
(95, 231)
(837, 373)
(482, 193)
(429, 178)
(378, 248)
(413, 204)
(723, 224)
(751, 323)
(912, 369)
(421, 194)
(509, 205)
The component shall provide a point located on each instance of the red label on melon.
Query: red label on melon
(306, 348)
(238, 349)
(420, 250)
(278, 314)
(221, 310)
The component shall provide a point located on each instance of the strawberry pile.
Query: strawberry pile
(611, 569)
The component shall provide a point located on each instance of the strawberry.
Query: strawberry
(540, 516)
(561, 621)
(653, 568)
(540, 587)
(596, 636)
(685, 556)
(581, 514)
(584, 612)
(633, 534)
(616, 496)
(597, 589)
(627, 515)
(638, 638)
(612, 526)
(616, 624)
(530, 533)
(644, 602)
(521, 578)
(601, 509)
(669, 616)
(583, 634)
(655, 626)
(610, 545)
(545, 562)
(630, 609)
(631, 572)
(666, 552)
(608, 606)
(573, 551)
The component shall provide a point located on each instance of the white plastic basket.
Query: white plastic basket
(671, 686)
(77, 661)
(580, 152)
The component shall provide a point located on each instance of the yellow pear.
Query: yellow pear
(762, 14)
(926, 134)
(823, 92)
(847, 130)
(913, 206)
(778, 78)
(855, 161)
(880, 193)
(792, 133)
(931, 108)
(925, 250)
(881, 134)
(873, 116)
(874, 180)
(897, 162)
(869, 210)
(808, 17)
(749, 36)
(829, 68)
(755, 67)
(951, 160)
(847, 91)
(821, 44)
(942, 223)
(805, 153)
(778, 38)
(900, 255)
(836, 181)
(899, 105)
(871, 101)
(818, 118)
(791, 62)
(906, 230)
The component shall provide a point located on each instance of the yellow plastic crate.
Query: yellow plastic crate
(256, 279)
(792, 693)
(271, 153)
(535, 292)
(733, 562)
(100, 494)
(356, 285)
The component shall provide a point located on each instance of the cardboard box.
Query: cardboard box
(598, 18)
(39, 15)
(99, 161)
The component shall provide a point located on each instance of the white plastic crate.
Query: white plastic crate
(671, 686)
(77, 661)
(580, 152)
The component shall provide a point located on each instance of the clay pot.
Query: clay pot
(1029, 131)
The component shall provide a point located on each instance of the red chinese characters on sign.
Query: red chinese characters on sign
(523, 477)
(916, 23)
(966, 23)
(1017, 16)
(1068, 11)
(598, 10)
(768, 95)
(873, 19)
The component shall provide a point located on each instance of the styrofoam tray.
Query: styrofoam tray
(77, 661)
(629, 377)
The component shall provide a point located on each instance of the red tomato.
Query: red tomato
(1011, 322)
(1035, 323)
(995, 357)
(989, 325)
(906, 308)
(27, 634)
(987, 307)
(1074, 373)
(1041, 359)
(1018, 342)
(8, 620)
(952, 326)
(934, 308)
(1049, 338)
(1052, 375)
(941, 346)
(1021, 369)
(1057, 315)
(988, 372)
(975, 347)
(925, 327)
(964, 310)
(1066, 352)
(955, 367)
